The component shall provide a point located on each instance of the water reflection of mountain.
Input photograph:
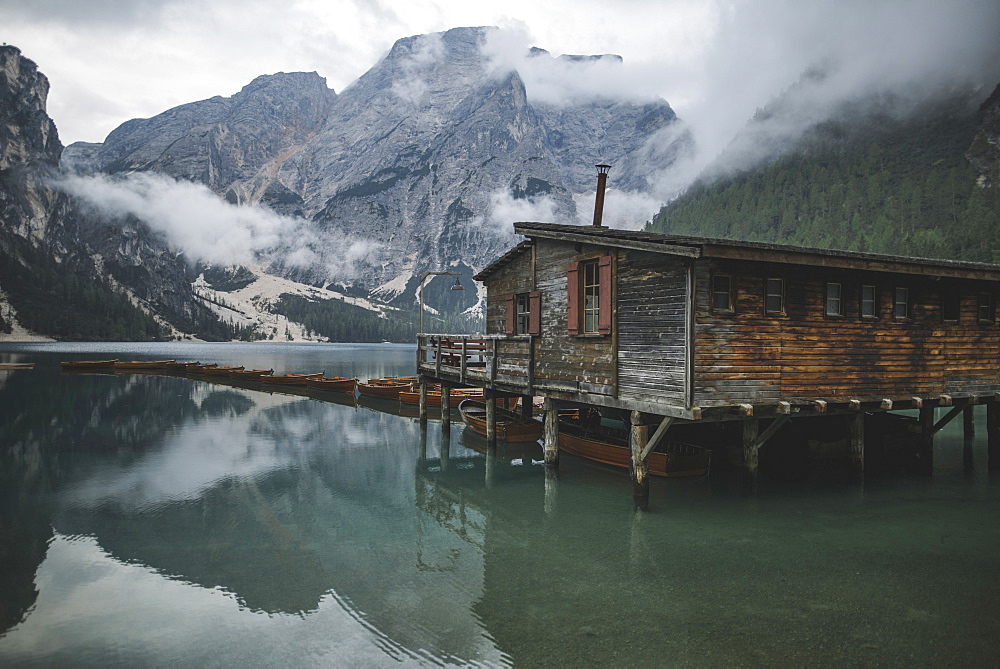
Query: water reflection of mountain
(283, 504)
(57, 433)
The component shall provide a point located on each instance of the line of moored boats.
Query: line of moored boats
(512, 425)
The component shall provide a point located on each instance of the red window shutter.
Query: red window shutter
(573, 298)
(604, 285)
(511, 323)
(535, 312)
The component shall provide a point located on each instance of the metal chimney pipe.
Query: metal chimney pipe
(602, 181)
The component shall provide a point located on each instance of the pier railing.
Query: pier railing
(476, 358)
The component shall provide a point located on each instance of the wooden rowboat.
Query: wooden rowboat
(384, 390)
(290, 379)
(88, 364)
(336, 385)
(181, 366)
(610, 447)
(143, 364)
(510, 427)
(17, 365)
(217, 370)
(250, 374)
(393, 380)
(434, 398)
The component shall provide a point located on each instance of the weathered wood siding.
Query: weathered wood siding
(652, 327)
(748, 356)
(515, 277)
(577, 363)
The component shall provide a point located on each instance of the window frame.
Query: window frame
(951, 299)
(601, 311)
(839, 313)
(590, 311)
(906, 303)
(862, 301)
(989, 305)
(522, 316)
(730, 307)
(782, 310)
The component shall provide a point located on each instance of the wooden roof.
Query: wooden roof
(702, 247)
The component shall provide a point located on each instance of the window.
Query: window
(901, 303)
(834, 302)
(774, 296)
(722, 292)
(591, 297)
(589, 286)
(522, 306)
(986, 308)
(524, 314)
(869, 308)
(950, 306)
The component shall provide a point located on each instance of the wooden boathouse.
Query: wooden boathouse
(672, 329)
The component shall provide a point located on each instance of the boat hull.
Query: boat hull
(89, 364)
(333, 385)
(510, 427)
(289, 379)
(679, 460)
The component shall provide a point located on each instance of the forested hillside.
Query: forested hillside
(865, 182)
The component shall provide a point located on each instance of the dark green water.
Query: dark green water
(157, 520)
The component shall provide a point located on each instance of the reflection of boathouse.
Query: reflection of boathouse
(677, 330)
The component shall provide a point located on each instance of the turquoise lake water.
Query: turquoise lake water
(152, 520)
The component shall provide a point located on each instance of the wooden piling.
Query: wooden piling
(751, 429)
(491, 420)
(925, 452)
(445, 405)
(526, 406)
(856, 432)
(422, 412)
(551, 434)
(422, 447)
(445, 447)
(993, 435)
(969, 421)
(639, 470)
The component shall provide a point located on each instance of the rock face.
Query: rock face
(29, 148)
(421, 155)
(45, 237)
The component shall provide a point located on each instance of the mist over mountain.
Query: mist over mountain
(421, 164)
(884, 172)
(61, 273)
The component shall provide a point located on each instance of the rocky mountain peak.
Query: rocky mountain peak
(30, 136)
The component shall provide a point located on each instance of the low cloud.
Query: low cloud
(194, 220)
(563, 80)
(410, 83)
(504, 209)
(628, 210)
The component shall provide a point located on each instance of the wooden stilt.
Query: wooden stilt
(638, 438)
(751, 428)
(993, 436)
(445, 447)
(445, 405)
(422, 452)
(748, 455)
(422, 412)
(925, 451)
(969, 421)
(491, 421)
(526, 407)
(551, 434)
(856, 431)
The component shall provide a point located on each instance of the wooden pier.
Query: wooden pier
(667, 331)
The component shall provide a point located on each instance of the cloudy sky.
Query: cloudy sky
(714, 61)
